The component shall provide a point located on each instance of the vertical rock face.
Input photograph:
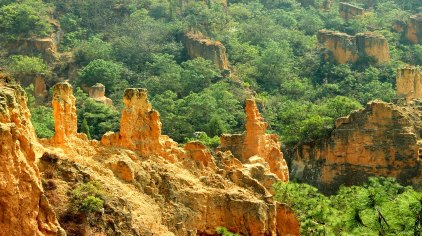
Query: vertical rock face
(46, 47)
(140, 128)
(414, 29)
(64, 110)
(97, 92)
(373, 45)
(348, 11)
(255, 142)
(343, 48)
(198, 45)
(24, 210)
(409, 83)
(381, 140)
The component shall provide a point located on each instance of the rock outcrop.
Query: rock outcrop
(409, 83)
(64, 111)
(97, 92)
(24, 208)
(255, 142)
(343, 48)
(349, 11)
(164, 189)
(414, 29)
(40, 89)
(382, 139)
(197, 45)
(46, 47)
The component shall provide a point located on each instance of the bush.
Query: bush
(87, 198)
(24, 65)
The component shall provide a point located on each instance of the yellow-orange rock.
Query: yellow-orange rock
(23, 206)
(409, 83)
(97, 92)
(349, 11)
(255, 142)
(197, 45)
(199, 153)
(343, 48)
(287, 221)
(64, 111)
(382, 139)
(414, 29)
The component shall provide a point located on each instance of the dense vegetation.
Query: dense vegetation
(379, 207)
(271, 45)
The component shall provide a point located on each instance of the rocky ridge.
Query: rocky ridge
(153, 186)
(344, 48)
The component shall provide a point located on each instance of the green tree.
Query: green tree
(108, 73)
(24, 19)
(85, 128)
(25, 65)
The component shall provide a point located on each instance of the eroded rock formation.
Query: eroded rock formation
(382, 139)
(255, 142)
(24, 209)
(349, 11)
(197, 45)
(409, 83)
(414, 29)
(343, 48)
(152, 186)
(64, 109)
(46, 47)
(97, 92)
(40, 89)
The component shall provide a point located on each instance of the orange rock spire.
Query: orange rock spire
(65, 119)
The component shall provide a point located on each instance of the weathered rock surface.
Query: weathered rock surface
(64, 111)
(382, 139)
(343, 48)
(167, 190)
(197, 45)
(46, 47)
(414, 29)
(40, 89)
(97, 92)
(409, 83)
(349, 11)
(24, 210)
(255, 142)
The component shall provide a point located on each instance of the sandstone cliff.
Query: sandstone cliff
(198, 45)
(409, 83)
(348, 11)
(414, 29)
(155, 187)
(256, 143)
(382, 139)
(343, 48)
(24, 208)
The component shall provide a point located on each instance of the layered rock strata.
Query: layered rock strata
(197, 45)
(256, 143)
(349, 11)
(409, 83)
(343, 48)
(24, 209)
(382, 139)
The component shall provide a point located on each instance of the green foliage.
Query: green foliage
(93, 49)
(379, 207)
(87, 198)
(99, 118)
(108, 73)
(24, 19)
(224, 232)
(24, 65)
(207, 141)
(41, 116)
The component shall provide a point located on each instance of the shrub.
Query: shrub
(87, 198)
